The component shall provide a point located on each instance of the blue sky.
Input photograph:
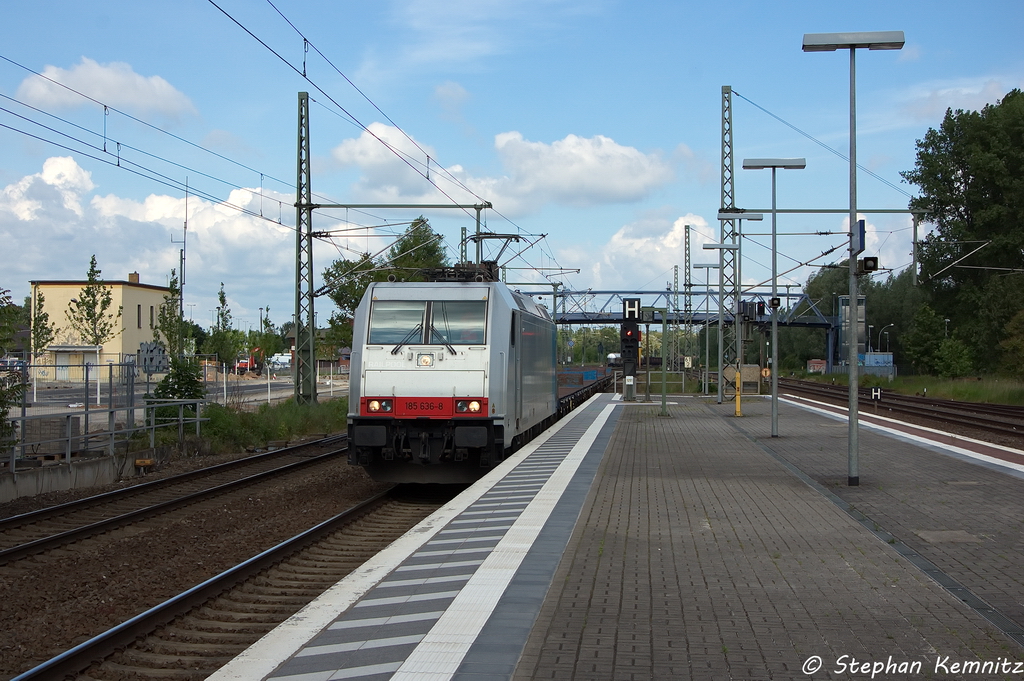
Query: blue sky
(597, 123)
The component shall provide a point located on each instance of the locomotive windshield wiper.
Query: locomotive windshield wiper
(435, 332)
(408, 337)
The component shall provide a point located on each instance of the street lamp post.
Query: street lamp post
(830, 42)
(880, 336)
(775, 164)
(741, 215)
(707, 267)
(721, 311)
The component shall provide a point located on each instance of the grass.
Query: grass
(234, 430)
(986, 389)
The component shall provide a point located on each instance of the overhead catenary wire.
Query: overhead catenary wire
(117, 159)
(823, 145)
(414, 163)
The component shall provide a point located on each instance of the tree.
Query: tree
(969, 175)
(953, 358)
(923, 339)
(171, 329)
(43, 330)
(418, 249)
(184, 381)
(348, 280)
(223, 341)
(88, 314)
(12, 382)
(1013, 345)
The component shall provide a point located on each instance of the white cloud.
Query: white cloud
(929, 101)
(54, 223)
(114, 84)
(642, 253)
(579, 171)
(60, 183)
(575, 171)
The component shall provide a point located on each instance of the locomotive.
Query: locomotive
(448, 377)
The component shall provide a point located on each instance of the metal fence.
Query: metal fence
(89, 410)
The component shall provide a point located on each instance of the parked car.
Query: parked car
(12, 364)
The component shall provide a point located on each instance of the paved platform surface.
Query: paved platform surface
(708, 550)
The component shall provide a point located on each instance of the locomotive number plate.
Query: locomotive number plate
(412, 406)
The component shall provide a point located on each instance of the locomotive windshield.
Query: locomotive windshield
(457, 322)
(396, 321)
(450, 322)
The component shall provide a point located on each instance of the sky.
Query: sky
(596, 123)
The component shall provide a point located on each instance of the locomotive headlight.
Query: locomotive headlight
(474, 407)
(425, 360)
(467, 406)
(375, 406)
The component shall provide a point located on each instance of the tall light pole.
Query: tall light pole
(740, 215)
(721, 310)
(776, 303)
(830, 42)
(707, 267)
(880, 336)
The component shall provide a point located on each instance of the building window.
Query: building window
(140, 316)
(151, 316)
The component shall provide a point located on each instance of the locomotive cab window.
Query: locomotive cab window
(396, 321)
(457, 322)
(451, 322)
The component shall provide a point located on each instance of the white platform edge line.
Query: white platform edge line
(918, 438)
(445, 646)
(261, 658)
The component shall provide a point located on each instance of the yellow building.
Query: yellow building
(139, 304)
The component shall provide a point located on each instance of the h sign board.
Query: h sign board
(858, 238)
(631, 308)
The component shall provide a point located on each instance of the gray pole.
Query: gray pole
(736, 319)
(707, 328)
(479, 243)
(775, 319)
(853, 475)
(913, 269)
(721, 326)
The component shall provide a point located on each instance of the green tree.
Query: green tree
(969, 174)
(953, 358)
(348, 280)
(1013, 345)
(223, 341)
(184, 381)
(922, 341)
(43, 330)
(417, 250)
(171, 329)
(11, 381)
(89, 314)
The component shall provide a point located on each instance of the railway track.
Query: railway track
(1005, 421)
(192, 635)
(51, 528)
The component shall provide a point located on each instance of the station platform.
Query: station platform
(628, 545)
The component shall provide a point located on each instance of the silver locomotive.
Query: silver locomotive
(447, 378)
